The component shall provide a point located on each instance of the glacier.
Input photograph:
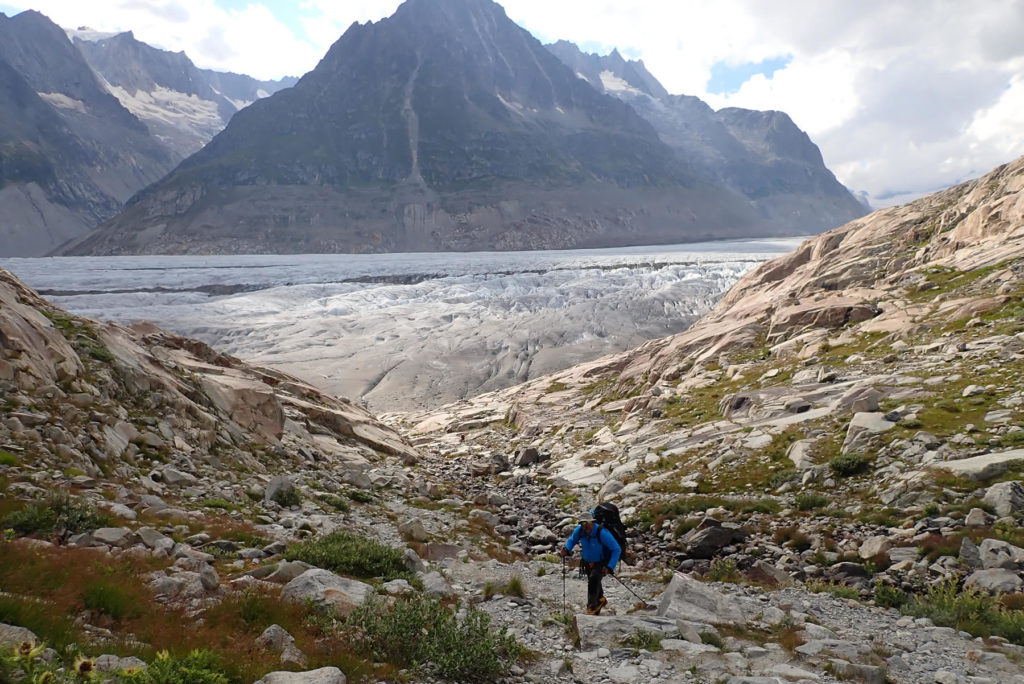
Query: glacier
(409, 331)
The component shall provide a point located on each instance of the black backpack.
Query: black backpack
(607, 516)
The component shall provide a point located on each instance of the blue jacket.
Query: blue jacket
(596, 546)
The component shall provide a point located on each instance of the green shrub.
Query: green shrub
(286, 497)
(418, 632)
(723, 570)
(846, 465)
(59, 512)
(712, 639)
(809, 501)
(948, 405)
(350, 554)
(1012, 439)
(336, 502)
(198, 667)
(890, 597)
(222, 504)
(968, 609)
(359, 496)
(7, 458)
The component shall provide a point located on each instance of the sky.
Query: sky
(902, 96)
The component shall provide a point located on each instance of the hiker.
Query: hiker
(600, 554)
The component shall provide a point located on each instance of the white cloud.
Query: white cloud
(901, 96)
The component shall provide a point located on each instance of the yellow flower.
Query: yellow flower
(28, 650)
(44, 678)
(84, 666)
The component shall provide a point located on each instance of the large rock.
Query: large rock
(996, 581)
(996, 553)
(688, 599)
(325, 675)
(982, 467)
(250, 404)
(1006, 498)
(608, 631)
(862, 428)
(327, 591)
(874, 546)
(710, 537)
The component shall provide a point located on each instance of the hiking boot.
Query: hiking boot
(592, 611)
(601, 603)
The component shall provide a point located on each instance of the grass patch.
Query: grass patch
(350, 554)
(837, 590)
(8, 459)
(792, 537)
(809, 501)
(642, 639)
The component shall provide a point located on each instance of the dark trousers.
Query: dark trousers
(595, 573)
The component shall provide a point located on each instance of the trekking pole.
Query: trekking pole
(563, 586)
(643, 604)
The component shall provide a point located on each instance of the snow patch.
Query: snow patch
(88, 34)
(62, 101)
(169, 107)
(514, 106)
(614, 84)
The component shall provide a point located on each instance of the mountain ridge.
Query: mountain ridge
(73, 157)
(443, 127)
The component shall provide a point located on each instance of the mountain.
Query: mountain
(443, 127)
(760, 155)
(183, 106)
(71, 153)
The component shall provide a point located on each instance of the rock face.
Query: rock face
(443, 127)
(201, 396)
(183, 106)
(762, 156)
(84, 125)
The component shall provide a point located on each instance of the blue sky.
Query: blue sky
(902, 97)
(727, 79)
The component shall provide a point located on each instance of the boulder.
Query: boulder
(862, 428)
(689, 599)
(874, 546)
(711, 536)
(1006, 498)
(996, 581)
(598, 631)
(325, 675)
(996, 553)
(413, 529)
(984, 467)
(327, 591)
(435, 584)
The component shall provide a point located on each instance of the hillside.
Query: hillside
(835, 451)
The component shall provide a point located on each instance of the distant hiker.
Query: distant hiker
(600, 554)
